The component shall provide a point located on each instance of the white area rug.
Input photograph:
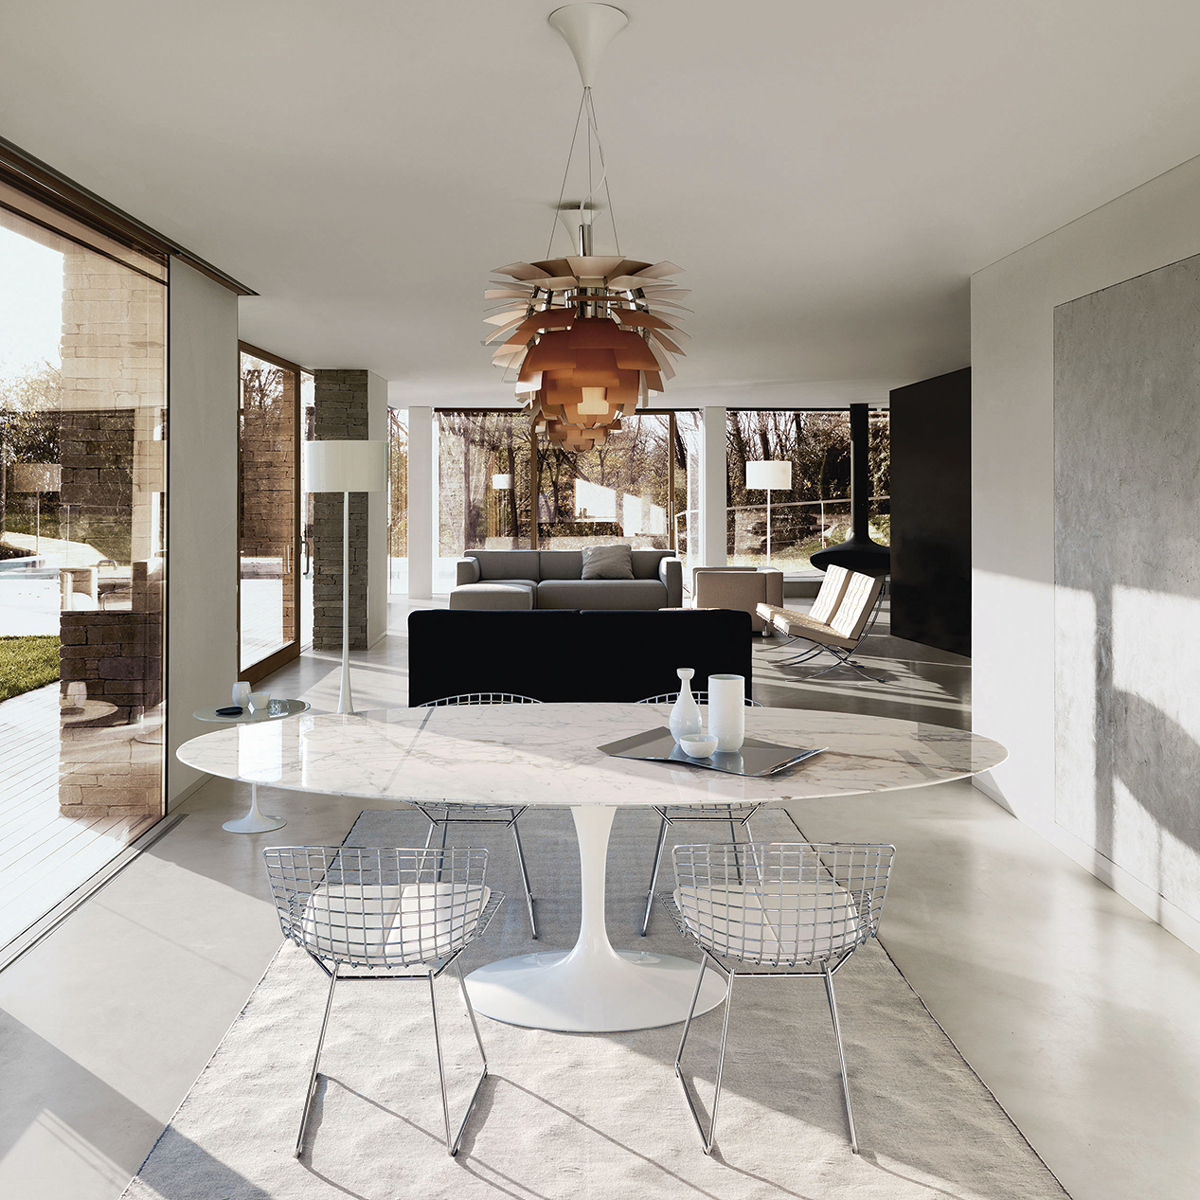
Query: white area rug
(587, 1117)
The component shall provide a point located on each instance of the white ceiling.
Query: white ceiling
(829, 174)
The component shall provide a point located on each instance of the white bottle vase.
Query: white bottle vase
(685, 716)
(241, 693)
(727, 711)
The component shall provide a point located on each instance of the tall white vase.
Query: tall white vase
(727, 711)
(685, 716)
(241, 693)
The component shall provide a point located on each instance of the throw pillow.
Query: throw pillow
(607, 562)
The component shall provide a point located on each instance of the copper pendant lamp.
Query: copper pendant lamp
(589, 336)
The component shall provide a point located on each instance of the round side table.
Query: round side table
(255, 821)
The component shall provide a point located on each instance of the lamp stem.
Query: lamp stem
(345, 702)
(768, 527)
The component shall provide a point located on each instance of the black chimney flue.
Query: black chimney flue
(858, 552)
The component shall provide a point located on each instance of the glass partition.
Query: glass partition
(814, 511)
(618, 491)
(268, 497)
(397, 500)
(83, 478)
(483, 485)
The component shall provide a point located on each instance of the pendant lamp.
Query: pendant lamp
(589, 336)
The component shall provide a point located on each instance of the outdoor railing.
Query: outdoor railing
(799, 528)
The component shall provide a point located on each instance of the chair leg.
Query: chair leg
(312, 1079)
(658, 853)
(706, 1138)
(454, 1139)
(525, 880)
(837, 1033)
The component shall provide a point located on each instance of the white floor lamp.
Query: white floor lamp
(771, 473)
(346, 466)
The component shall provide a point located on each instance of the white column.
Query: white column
(421, 509)
(377, 516)
(202, 541)
(712, 489)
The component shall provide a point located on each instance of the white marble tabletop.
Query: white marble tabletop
(547, 754)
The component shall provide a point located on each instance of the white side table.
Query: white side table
(255, 821)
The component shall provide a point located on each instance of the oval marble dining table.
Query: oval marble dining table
(546, 754)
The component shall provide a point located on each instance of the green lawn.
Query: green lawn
(27, 663)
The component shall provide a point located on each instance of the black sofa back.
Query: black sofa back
(558, 655)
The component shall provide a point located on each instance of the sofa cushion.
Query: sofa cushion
(509, 593)
(601, 593)
(561, 564)
(507, 564)
(645, 562)
(607, 562)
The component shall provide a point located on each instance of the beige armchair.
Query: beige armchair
(740, 588)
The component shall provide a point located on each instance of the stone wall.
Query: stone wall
(97, 448)
(111, 667)
(340, 414)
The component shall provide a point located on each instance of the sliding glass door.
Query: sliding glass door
(268, 514)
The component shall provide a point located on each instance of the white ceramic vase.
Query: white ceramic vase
(241, 693)
(685, 716)
(727, 711)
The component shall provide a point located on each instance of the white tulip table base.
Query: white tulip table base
(591, 988)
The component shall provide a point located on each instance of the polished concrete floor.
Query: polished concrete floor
(1077, 1011)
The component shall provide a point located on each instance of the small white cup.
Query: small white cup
(259, 701)
(698, 745)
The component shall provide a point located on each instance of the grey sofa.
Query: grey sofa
(527, 579)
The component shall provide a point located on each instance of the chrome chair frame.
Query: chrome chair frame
(859, 871)
(298, 873)
(845, 657)
(734, 815)
(445, 813)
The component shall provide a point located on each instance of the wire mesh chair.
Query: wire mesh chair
(734, 815)
(790, 909)
(446, 813)
(384, 914)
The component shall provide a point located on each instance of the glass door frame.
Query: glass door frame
(265, 666)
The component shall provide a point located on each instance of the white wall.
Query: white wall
(422, 502)
(713, 479)
(1012, 359)
(202, 551)
(377, 517)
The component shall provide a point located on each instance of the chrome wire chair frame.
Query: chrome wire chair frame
(791, 910)
(384, 914)
(445, 813)
(844, 656)
(734, 815)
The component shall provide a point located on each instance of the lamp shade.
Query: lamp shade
(773, 474)
(346, 466)
(35, 477)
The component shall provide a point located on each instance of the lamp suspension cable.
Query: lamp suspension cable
(591, 335)
(587, 108)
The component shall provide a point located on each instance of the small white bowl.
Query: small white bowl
(259, 701)
(698, 745)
